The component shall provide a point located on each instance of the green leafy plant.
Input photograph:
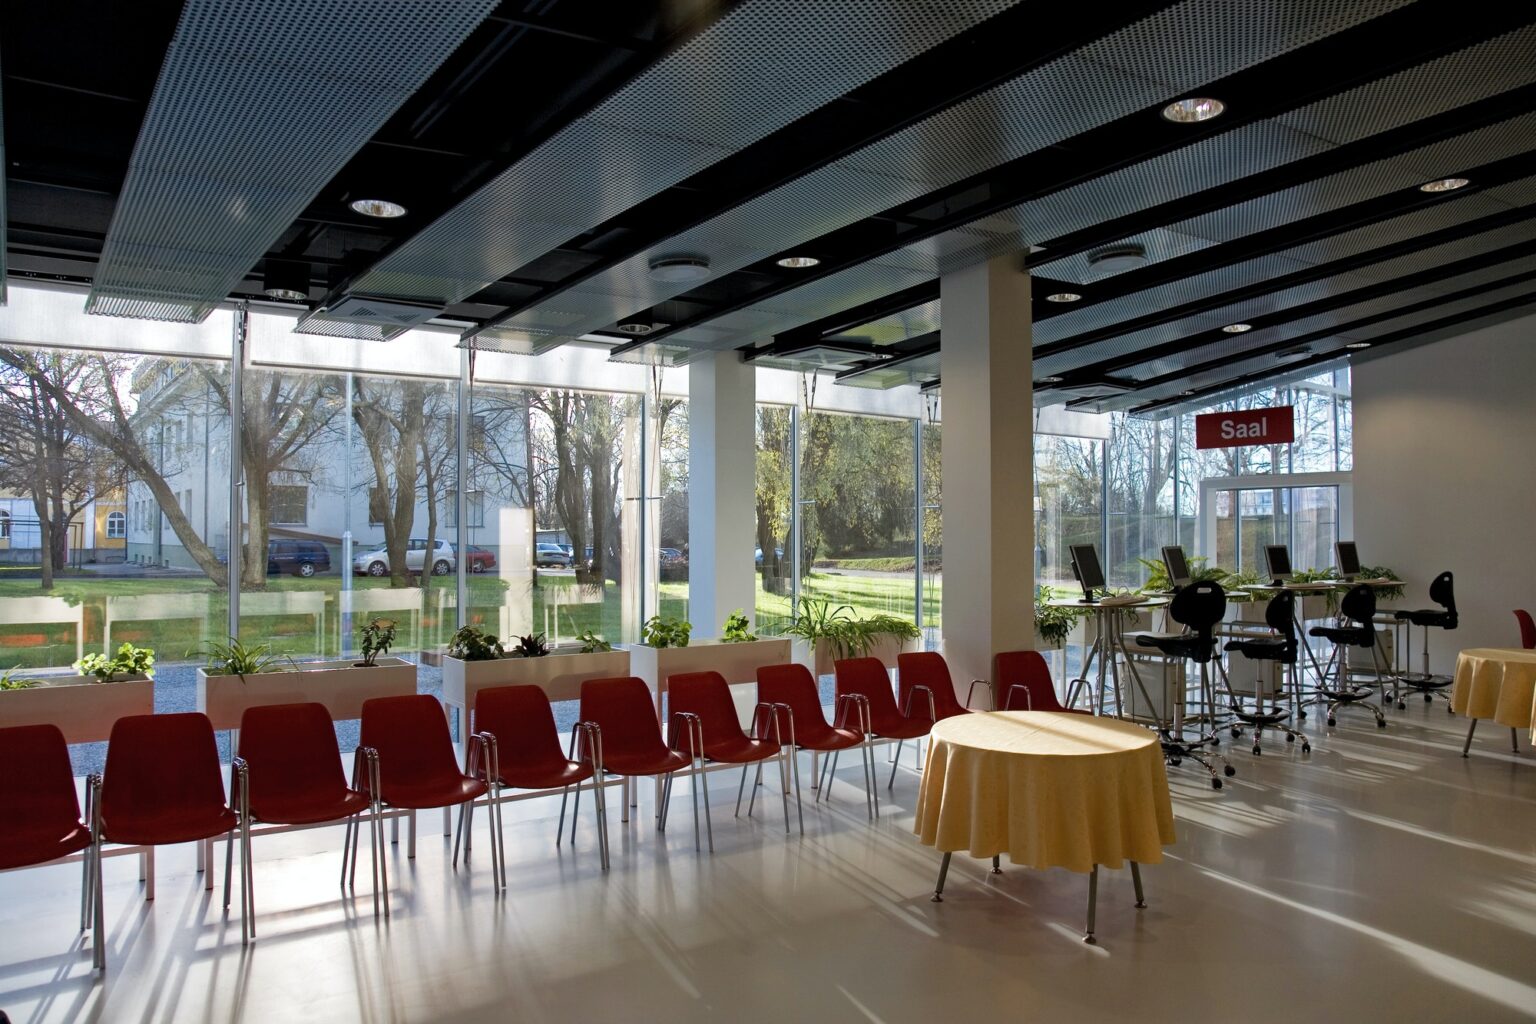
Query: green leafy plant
(1053, 624)
(591, 643)
(817, 619)
(1315, 576)
(1157, 574)
(9, 683)
(376, 638)
(129, 660)
(471, 643)
(1381, 572)
(736, 629)
(236, 659)
(666, 631)
(530, 646)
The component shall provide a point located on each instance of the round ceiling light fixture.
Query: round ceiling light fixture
(679, 269)
(1357, 345)
(1186, 394)
(1050, 380)
(382, 208)
(1063, 297)
(1238, 328)
(285, 279)
(1193, 110)
(799, 262)
(638, 326)
(1444, 185)
(1118, 258)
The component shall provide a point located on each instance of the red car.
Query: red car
(481, 559)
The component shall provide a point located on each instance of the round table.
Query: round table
(1050, 789)
(1497, 683)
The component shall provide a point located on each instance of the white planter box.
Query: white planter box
(82, 708)
(886, 649)
(1360, 657)
(738, 663)
(341, 686)
(1042, 644)
(559, 675)
(1247, 611)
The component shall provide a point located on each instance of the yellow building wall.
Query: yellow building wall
(104, 509)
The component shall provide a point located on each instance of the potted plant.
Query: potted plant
(1052, 624)
(736, 629)
(237, 677)
(84, 706)
(825, 634)
(531, 646)
(667, 650)
(591, 643)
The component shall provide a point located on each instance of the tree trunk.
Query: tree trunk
(258, 514)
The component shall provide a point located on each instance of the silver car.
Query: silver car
(376, 562)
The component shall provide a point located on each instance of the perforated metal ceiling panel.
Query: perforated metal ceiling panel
(909, 323)
(3, 221)
(712, 96)
(1146, 63)
(257, 107)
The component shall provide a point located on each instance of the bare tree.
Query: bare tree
(391, 416)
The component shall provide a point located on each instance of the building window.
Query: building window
(474, 509)
(290, 504)
(117, 524)
(5, 525)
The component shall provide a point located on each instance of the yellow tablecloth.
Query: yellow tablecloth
(1497, 683)
(1049, 789)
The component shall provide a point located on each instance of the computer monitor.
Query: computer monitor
(1349, 559)
(1085, 566)
(1279, 558)
(1178, 566)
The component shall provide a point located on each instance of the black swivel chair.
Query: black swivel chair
(1197, 607)
(1443, 592)
(1282, 649)
(1358, 608)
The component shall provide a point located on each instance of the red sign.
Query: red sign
(1252, 426)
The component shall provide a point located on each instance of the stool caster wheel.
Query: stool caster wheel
(1230, 771)
(1257, 751)
(1176, 762)
(1301, 714)
(1236, 732)
(1215, 783)
(1306, 748)
(1381, 723)
(1427, 699)
(1290, 737)
(1401, 706)
(1332, 720)
(1450, 710)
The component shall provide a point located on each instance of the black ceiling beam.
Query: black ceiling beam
(863, 313)
(1406, 334)
(1420, 32)
(1004, 47)
(585, 30)
(913, 348)
(1339, 330)
(1269, 286)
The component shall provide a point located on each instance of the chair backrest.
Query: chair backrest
(292, 751)
(1527, 629)
(1029, 670)
(524, 726)
(1280, 615)
(926, 668)
(868, 676)
(1443, 592)
(622, 708)
(412, 738)
(158, 764)
(1199, 606)
(1359, 604)
(707, 695)
(37, 784)
(795, 686)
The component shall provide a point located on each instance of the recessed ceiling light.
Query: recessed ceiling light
(1118, 258)
(679, 269)
(1358, 344)
(798, 262)
(1237, 328)
(377, 208)
(286, 279)
(1050, 380)
(1444, 185)
(1193, 110)
(1185, 394)
(1063, 297)
(638, 326)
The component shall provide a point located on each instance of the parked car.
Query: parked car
(551, 556)
(480, 559)
(778, 553)
(376, 561)
(670, 555)
(299, 557)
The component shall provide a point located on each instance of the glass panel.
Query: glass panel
(1068, 478)
(1265, 514)
(1315, 526)
(671, 554)
(774, 548)
(1140, 466)
(933, 534)
(499, 527)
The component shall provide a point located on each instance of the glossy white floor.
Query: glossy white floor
(1381, 878)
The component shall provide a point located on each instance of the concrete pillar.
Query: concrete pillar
(988, 481)
(722, 488)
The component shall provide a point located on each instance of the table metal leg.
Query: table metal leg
(1466, 747)
(938, 890)
(1141, 900)
(1093, 903)
(1514, 741)
(997, 863)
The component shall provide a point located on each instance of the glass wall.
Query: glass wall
(931, 510)
(774, 522)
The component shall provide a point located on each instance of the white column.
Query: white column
(988, 487)
(722, 487)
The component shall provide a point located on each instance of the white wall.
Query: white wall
(1445, 478)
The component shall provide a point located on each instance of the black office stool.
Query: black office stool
(1443, 592)
(1280, 616)
(1358, 607)
(1197, 607)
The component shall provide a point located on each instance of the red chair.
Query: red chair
(287, 774)
(792, 691)
(1021, 681)
(522, 726)
(632, 746)
(707, 696)
(162, 784)
(868, 678)
(40, 813)
(418, 770)
(1527, 629)
(926, 671)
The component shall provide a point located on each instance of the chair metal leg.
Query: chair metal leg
(575, 813)
(346, 854)
(149, 874)
(1093, 904)
(229, 852)
(99, 934)
(565, 793)
(894, 762)
(756, 781)
(938, 889)
(741, 788)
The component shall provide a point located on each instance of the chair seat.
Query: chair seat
(1426, 617)
(902, 728)
(175, 826)
(1179, 646)
(1264, 649)
(645, 764)
(1354, 636)
(739, 750)
(21, 846)
(829, 739)
(547, 777)
(418, 796)
(309, 809)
